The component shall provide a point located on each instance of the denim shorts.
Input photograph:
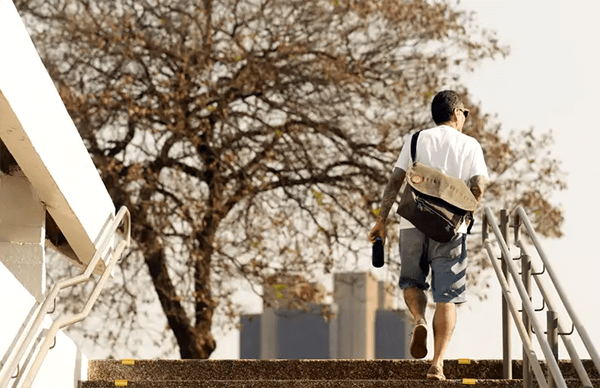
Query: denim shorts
(448, 263)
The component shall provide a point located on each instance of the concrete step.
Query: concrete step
(323, 384)
(247, 370)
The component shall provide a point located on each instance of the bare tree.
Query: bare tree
(254, 137)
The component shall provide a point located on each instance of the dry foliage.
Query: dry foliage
(254, 137)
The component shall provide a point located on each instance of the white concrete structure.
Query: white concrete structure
(65, 365)
(38, 131)
(55, 174)
(356, 295)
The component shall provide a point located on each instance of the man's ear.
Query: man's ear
(456, 113)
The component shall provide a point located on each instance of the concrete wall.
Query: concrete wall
(64, 365)
(22, 220)
(250, 336)
(57, 176)
(387, 295)
(392, 334)
(22, 280)
(302, 334)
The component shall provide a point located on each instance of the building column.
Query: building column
(357, 299)
(22, 232)
(334, 324)
(268, 334)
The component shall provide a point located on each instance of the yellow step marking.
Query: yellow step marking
(128, 361)
(464, 361)
(469, 381)
(120, 383)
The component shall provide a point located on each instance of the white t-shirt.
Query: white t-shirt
(448, 150)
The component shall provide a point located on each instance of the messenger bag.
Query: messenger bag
(435, 203)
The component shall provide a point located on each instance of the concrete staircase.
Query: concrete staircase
(308, 374)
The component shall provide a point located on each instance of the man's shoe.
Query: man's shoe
(436, 372)
(418, 341)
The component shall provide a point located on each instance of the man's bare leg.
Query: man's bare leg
(444, 321)
(416, 301)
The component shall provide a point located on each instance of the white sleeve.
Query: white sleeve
(404, 159)
(478, 166)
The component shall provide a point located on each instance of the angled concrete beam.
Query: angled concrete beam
(39, 133)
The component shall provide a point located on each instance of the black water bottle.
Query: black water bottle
(378, 253)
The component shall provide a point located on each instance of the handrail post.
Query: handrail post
(526, 277)
(552, 332)
(517, 226)
(506, 332)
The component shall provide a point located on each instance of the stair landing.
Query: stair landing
(308, 374)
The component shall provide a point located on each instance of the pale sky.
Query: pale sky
(550, 80)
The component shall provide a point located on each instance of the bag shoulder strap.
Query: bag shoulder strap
(413, 146)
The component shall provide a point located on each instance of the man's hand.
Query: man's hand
(378, 230)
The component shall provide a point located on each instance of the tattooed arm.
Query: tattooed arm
(389, 197)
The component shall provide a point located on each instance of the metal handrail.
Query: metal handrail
(522, 219)
(527, 305)
(554, 323)
(104, 249)
(576, 360)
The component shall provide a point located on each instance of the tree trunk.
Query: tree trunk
(205, 306)
(188, 339)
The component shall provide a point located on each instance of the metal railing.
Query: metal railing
(12, 368)
(555, 328)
